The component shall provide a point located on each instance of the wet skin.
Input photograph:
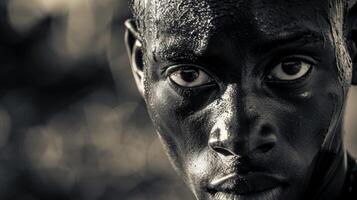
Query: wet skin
(242, 93)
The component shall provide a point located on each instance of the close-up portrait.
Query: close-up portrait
(178, 99)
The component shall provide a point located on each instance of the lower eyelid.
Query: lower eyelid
(292, 82)
(214, 80)
(309, 63)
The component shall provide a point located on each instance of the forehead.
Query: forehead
(200, 14)
(192, 23)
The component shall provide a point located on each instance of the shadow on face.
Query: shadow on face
(243, 93)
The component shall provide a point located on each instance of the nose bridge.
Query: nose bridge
(239, 129)
(227, 130)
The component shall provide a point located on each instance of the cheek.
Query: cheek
(306, 118)
(303, 127)
(183, 134)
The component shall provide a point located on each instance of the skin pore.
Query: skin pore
(243, 93)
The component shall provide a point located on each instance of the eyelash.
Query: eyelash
(311, 60)
(169, 69)
(187, 91)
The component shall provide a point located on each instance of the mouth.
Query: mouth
(252, 186)
(271, 194)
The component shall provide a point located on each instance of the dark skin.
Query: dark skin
(243, 93)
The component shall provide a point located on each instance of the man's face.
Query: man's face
(241, 92)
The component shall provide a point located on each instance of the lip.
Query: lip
(245, 185)
(271, 194)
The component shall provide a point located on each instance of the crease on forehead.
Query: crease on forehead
(191, 23)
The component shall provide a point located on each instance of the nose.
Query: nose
(227, 142)
(243, 132)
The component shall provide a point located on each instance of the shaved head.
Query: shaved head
(149, 14)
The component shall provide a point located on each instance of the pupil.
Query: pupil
(189, 75)
(291, 68)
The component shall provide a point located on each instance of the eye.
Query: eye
(289, 71)
(189, 76)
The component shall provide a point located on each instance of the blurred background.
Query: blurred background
(72, 125)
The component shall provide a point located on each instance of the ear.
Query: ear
(135, 53)
(352, 39)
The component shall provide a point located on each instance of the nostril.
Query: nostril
(266, 147)
(267, 139)
(222, 151)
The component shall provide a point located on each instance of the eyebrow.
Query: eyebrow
(178, 52)
(174, 54)
(285, 39)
